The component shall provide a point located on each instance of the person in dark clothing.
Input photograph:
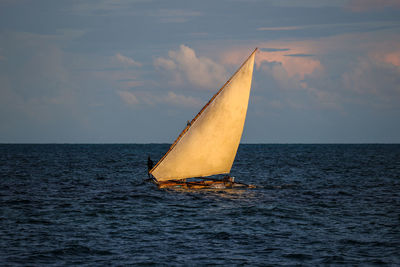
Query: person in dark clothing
(149, 165)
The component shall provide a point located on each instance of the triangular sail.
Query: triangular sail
(208, 145)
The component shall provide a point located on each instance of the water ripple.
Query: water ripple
(89, 205)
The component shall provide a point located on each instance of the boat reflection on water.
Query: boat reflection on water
(240, 194)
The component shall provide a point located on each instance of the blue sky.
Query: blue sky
(135, 71)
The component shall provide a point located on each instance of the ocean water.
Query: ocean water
(67, 205)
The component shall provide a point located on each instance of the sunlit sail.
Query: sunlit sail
(208, 144)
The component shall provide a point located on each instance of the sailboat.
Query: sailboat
(208, 144)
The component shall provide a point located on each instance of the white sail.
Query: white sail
(209, 144)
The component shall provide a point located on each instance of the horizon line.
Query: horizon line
(163, 143)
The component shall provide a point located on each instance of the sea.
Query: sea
(89, 205)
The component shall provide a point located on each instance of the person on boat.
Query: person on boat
(228, 179)
(149, 165)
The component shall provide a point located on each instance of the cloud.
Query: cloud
(296, 62)
(104, 8)
(371, 5)
(288, 63)
(299, 55)
(333, 27)
(289, 28)
(128, 97)
(126, 60)
(372, 78)
(40, 92)
(268, 49)
(338, 73)
(44, 72)
(132, 8)
(155, 98)
(185, 68)
(377, 74)
(167, 64)
(175, 15)
(119, 71)
(181, 100)
(49, 91)
(295, 58)
(307, 3)
(392, 58)
(375, 69)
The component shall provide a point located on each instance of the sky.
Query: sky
(118, 71)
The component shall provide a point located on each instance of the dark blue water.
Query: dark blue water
(88, 205)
